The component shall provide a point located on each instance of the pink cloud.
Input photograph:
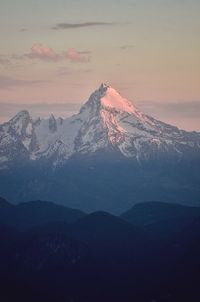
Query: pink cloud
(38, 51)
(76, 56)
(44, 53)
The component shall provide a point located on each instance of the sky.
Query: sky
(53, 54)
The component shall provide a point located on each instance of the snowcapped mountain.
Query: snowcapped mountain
(105, 122)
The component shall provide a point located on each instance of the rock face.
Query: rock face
(106, 122)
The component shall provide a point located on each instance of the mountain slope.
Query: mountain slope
(91, 259)
(148, 213)
(106, 157)
(107, 121)
(34, 213)
(98, 258)
(161, 219)
(4, 204)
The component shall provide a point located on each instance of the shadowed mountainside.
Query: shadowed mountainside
(99, 257)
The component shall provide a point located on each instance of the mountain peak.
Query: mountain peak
(21, 115)
(106, 97)
(113, 100)
(103, 86)
(107, 122)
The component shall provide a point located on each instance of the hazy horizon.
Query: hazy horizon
(187, 118)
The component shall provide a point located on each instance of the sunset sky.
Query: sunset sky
(53, 54)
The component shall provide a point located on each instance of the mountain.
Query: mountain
(91, 259)
(34, 213)
(161, 219)
(4, 204)
(107, 157)
(99, 257)
(148, 213)
(105, 122)
(103, 230)
(187, 246)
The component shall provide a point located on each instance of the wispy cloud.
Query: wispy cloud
(125, 47)
(63, 71)
(85, 52)
(82, 24)
(66, 71)
(10, 82)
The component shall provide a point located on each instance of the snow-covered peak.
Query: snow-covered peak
(21, 115)
(107, 121)
(107, 98)
(113, 100)
(21, 123)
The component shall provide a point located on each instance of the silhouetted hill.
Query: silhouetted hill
(159, 218)
(8, 236)
(184, 263)
(100, 257)
(104, 225)
(4, 203)
(30, 214)
(94, 254)
(150, 212)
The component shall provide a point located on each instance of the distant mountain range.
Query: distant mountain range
(73, 256)
(103, 158)
(30, 214)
